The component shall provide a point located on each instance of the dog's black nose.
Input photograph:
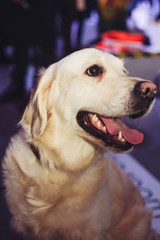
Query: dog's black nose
(146, 90)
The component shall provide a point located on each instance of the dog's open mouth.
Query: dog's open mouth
(112, 131)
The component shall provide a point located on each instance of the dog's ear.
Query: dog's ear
(38, 112)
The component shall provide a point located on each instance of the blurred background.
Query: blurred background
(37, 33)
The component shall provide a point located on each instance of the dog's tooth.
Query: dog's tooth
(99, 124)
(123, 140)
(120, 136)
(104, 128)
(95, 118)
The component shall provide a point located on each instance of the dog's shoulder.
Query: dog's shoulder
(18, 157)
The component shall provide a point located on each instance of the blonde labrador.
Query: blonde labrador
(59, 182)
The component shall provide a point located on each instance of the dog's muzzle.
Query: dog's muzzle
(113, 131)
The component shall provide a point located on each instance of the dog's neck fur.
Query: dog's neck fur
(35, 151)
(62, 178)
(67, 162)
(55, 146)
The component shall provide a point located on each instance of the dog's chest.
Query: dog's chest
(71, 219)
(71, 210)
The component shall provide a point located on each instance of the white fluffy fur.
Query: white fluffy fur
(73, 191)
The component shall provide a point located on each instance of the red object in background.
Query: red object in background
(110, 48)
(123, 36)
(120, 41)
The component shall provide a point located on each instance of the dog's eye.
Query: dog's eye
(94, 71)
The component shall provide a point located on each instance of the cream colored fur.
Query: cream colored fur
(73, 190)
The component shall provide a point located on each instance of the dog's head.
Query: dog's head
(87, 93)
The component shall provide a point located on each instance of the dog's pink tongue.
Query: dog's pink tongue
(115, 125)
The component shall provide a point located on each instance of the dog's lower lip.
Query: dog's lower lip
(138, 114)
